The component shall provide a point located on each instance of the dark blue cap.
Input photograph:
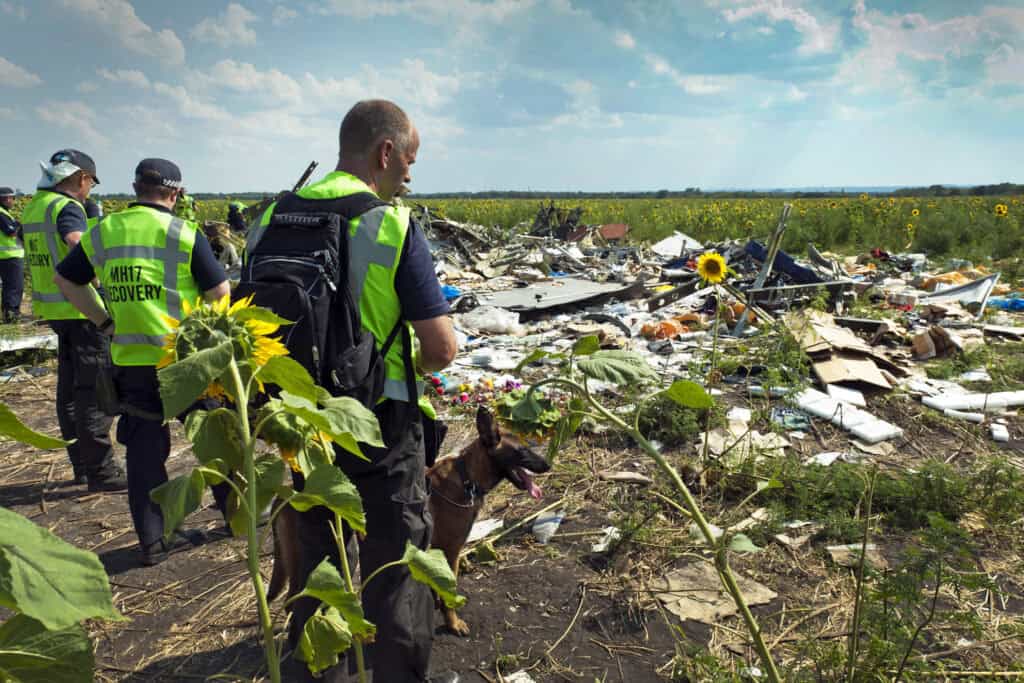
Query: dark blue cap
(159, 172)
(6, 192)
(76, 158)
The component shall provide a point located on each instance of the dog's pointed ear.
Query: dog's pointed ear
(487, 428)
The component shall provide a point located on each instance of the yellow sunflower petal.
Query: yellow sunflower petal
(267, 348)
(290, 456)
(220, 306)
(186, 307)
(261, 328)
(165, 361)
(711, 267)
(172, 323)
(240, 304)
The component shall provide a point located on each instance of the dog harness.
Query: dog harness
(470, 487)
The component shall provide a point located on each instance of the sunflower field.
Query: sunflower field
(981, 229)
(976, 228)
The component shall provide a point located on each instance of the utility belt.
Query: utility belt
(109, 400)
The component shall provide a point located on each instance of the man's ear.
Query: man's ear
(387, 148)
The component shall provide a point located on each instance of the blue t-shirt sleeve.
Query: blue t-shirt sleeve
(9, 226)
(206, 269)
(71, 219)
(76, 266)
(419, 292)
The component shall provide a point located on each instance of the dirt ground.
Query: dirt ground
(558, 611)
(193, 616)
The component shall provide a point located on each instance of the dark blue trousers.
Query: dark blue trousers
(12, 281)
(148, 445)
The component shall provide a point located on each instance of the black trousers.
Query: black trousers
(393, 488)
(148, 445)
(12, 281)
(82, 352)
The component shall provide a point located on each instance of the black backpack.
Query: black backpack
(298, 268)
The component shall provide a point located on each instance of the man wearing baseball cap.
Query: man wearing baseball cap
(12, 259)
(53, 222)
(135, 254)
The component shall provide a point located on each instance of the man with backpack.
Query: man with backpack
(337, 254)
(136, 255)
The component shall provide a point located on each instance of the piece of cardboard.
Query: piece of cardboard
(848, 367)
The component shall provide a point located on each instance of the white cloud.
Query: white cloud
(245, 77)
(818, 37)
(892, 41)
(147, 124)
(77, 117)
(227, 29)
(795, 94)
(691, 84)
(6, 114)
(430, 11)
(14, 76)
(464, 21)
(625, 40)
(411, 81)
(1005, 65)
(282, 15)
(132, 77)
(87, 87)
(118, 18)
(14, 9)
(190, 106)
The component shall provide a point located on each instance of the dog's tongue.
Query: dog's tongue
(531, 486)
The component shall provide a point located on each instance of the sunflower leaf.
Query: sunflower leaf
(181, 383)
(617, 367)
(290, 375)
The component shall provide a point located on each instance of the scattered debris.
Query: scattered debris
(545, 526)
(695, 592)
(849, 555)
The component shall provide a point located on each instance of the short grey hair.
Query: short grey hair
(369, 123)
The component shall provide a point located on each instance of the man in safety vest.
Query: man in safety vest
(391, 278)
(236, 216)
(185, 206)
(53, 222)
(149, 262)
(12, 259)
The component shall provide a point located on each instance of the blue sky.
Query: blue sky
(523, 94)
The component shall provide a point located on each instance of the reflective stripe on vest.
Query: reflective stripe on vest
(10, 247)
(170, 255)
(40, 219)
(142, 256)
(376, 239)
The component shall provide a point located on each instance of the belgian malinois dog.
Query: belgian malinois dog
(457, 485)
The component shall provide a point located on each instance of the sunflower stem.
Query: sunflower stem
(253, 547)
(718, 545)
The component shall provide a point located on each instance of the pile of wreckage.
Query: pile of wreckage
(547, 284)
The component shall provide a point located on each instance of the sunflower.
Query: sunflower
(910, 227)
(915, 213)
(1001, 210)
(712, 268)
(863, 196)
(291, 457)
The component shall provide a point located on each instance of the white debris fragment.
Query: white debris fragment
(861, 423)
(1000, 432)
(961, 415)
(851, 396)
(611, 534)
(483, 528)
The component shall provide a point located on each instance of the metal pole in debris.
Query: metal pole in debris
(766, 269)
